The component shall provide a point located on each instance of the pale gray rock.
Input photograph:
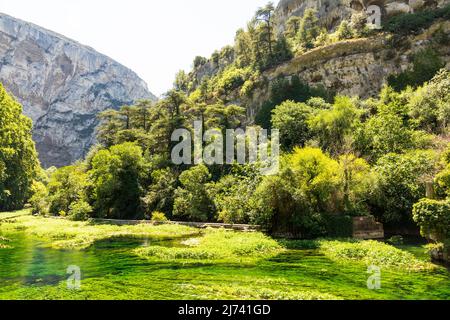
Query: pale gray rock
(62, 86)
(332, 12)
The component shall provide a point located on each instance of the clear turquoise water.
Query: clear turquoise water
(109, 270)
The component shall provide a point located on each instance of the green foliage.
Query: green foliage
(160, 195)
(425, 64)
(283, 89)
(18, 158)
(309, 29)
(396, 240)
(182, 82)
(332, 127)
(433, 217)
(217, 245)
(79, 211)
(191, 199)
(233, 195)
(414, 22)
(429, 104)
(199, 61)
(345, 31)
(232, 78)
(390, 130)
(339, 226)
(310, 187)
(260, 46)
(39, 198)
(67, 185)
(402, 183)
(116, 174)
(291, 119)
(159, 217)
(372, 253)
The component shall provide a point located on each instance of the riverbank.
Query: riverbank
(179, 262)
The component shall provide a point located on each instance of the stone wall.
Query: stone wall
(367, 228)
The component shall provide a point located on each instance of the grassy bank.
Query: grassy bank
(65, 234)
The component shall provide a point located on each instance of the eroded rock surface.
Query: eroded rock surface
(62, 85)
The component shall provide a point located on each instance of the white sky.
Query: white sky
(154, 38)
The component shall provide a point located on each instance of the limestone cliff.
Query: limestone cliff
(62, 85)
(358, 67)
(332, 12)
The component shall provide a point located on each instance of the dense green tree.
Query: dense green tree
(18, 158)
(232, 194)
(191, 199)
(292, 27)
(110, 125)
(309, 29)
(345, 31)
(430, 104)
(245, 55)
(160, 195)
(181, 81)
(67, 185)
(264, 16)
(283, 89)
(333, 127)
(295, 200)
(116, 177)
(291, 119)
(402, 182)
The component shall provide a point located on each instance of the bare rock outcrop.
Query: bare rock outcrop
(62, 85)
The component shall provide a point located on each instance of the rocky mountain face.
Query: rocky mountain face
(62, 85)
(332, 12)
(357, 67)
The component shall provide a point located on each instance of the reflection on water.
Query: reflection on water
(31, 261)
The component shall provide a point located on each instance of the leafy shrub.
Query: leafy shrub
(232, 196)
(283, 89)
(400, 183)
(232, 78)
(80, 211)
(67, 185)
(291, 119)
(345, 31)
(191, 200)
(433, 217)
(39, 198)
(159, 217)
